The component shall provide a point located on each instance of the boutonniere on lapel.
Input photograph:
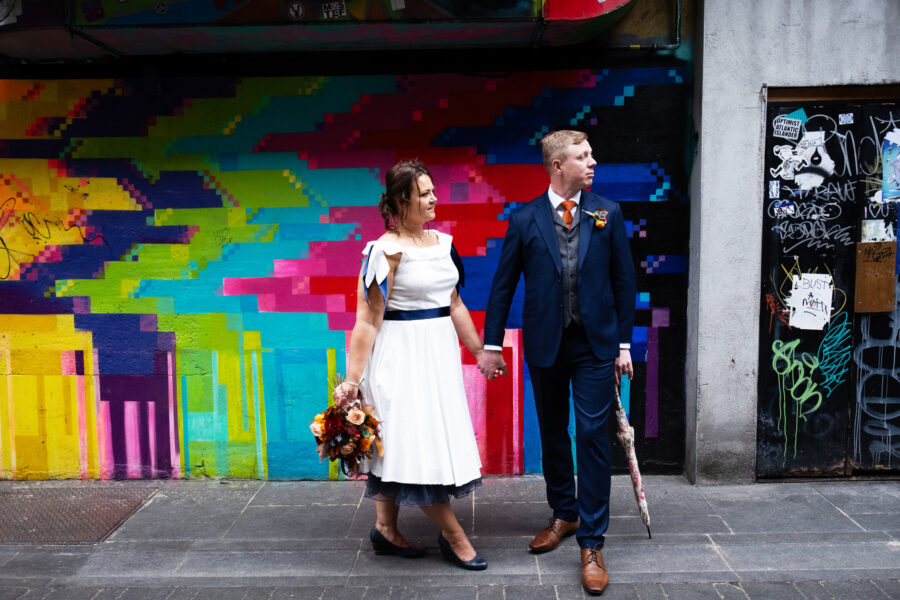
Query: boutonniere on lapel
(599, 217)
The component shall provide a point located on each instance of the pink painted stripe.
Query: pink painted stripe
(132, 440)
(82, 427)
(651, 422)
(512, 338)
(104, 433)
(475, 387)
(107, 460)
(173, 430)
(151, 433)
(67, 358)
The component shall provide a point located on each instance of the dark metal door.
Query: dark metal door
(829, 380)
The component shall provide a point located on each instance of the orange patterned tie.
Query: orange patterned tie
(568, 205)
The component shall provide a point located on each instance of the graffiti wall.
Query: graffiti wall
(829, 395)
(178, 256)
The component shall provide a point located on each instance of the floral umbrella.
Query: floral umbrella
(626, 438)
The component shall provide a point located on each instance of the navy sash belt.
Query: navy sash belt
(416, 315)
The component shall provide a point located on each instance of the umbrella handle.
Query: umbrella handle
(618, 397)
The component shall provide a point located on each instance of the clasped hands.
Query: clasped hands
(491, 364)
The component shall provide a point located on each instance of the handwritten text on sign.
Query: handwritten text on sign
(810, 300)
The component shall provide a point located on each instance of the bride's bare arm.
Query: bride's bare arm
(465, 328)
(362, 338)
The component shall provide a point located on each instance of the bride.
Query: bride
(404, 354)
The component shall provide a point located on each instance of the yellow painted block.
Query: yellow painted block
(128, 286)
(252, 340)
(31, 460)
(180, 252)
(25, 405)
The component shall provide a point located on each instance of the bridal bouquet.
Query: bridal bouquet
(347, 433)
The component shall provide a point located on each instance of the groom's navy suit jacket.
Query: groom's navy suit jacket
(606, 284)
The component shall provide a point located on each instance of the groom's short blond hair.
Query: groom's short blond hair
(554, 145)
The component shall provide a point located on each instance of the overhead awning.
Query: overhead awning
(79, 30)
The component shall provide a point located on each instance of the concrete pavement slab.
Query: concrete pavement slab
(146, 593)
(869, 498)
(779, 512)
(524, 519)
(525, 488)
(666, 524)
(857, 589)
(648, 591)
(812, 590)
(344, 593)
(891, 586)
(133, 559)
(197, 502)
(690, 591)
(79, 593)
(886, 522)
(47, 561)
(461, 592)
(319, 564)
(819, 557)
(730, 590)
(292, 522)
(142, 530)
(8, 552)
(309, 493)
(297, 593)
(808, 537)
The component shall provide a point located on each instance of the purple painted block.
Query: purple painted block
(651, 411)
(660, 317)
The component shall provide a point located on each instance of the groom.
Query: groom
(577, 321)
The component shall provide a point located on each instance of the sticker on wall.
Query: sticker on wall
(877, 230)
(890, 183)
(334, 10)
(774, 189)
(875, 279)
(785, 127)
(810, 300)
(845, 119)
(10, 11)
(295, 10)
(784, 209)
(807, 164)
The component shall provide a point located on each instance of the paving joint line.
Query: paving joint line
(243, 510)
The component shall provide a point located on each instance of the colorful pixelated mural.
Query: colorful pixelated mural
(178, 257)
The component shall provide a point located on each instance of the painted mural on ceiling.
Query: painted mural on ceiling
(243, 12)
(49, 30)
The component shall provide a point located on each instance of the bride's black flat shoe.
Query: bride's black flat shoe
(381, 545)
(474, 564)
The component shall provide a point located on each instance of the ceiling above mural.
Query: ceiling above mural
(81, 30)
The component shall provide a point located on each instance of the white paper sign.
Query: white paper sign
(875, 230)
(810, 301)
(785, 127)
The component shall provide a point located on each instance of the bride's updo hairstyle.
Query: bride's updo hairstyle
(394, 202)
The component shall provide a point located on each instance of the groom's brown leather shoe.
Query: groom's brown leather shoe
(550, 536)
(593, 571)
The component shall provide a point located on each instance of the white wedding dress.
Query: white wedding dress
(414, 374)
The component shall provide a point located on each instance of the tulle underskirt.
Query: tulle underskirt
(416, 494)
